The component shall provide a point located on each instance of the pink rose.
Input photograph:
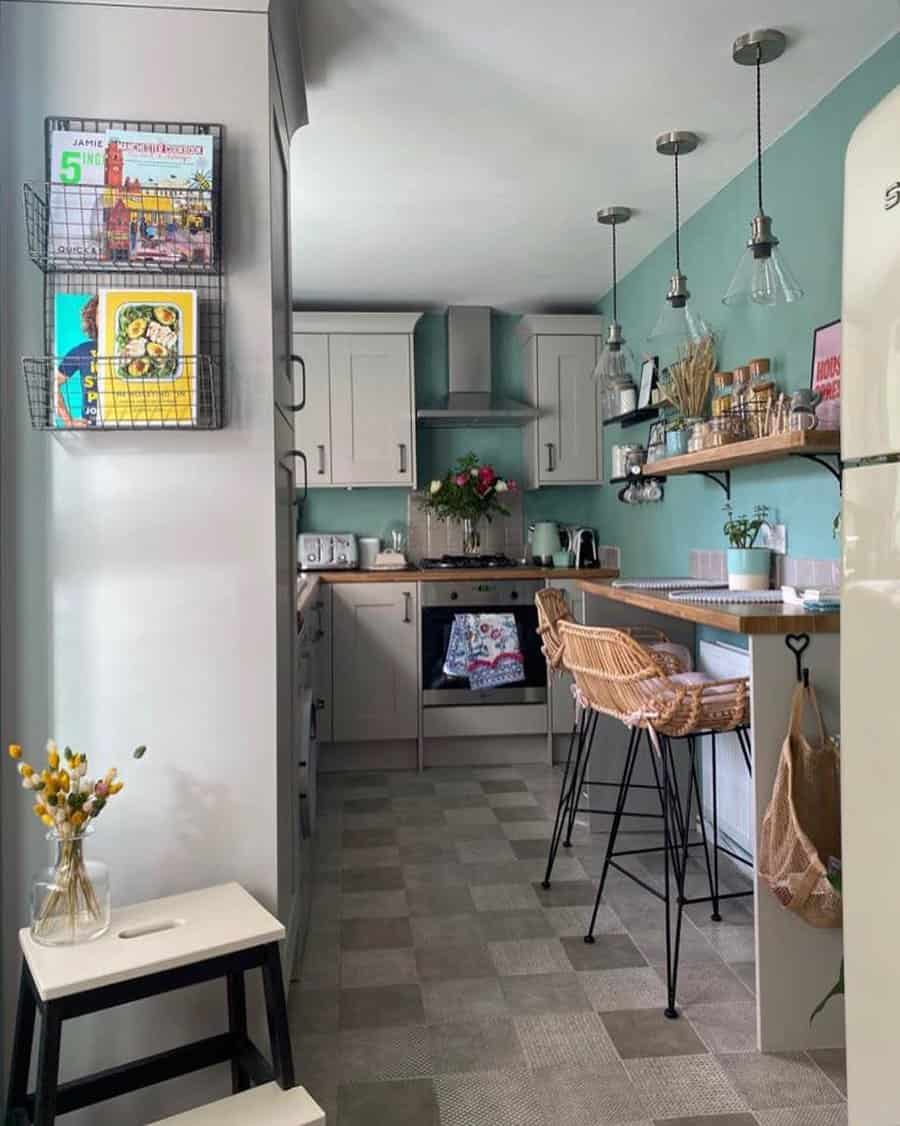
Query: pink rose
(486, 476)
(461, 479)
(511, 485)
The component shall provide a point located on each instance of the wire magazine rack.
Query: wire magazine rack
(89, 238)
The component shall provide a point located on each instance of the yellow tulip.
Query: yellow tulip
(25, 770)
(53, 759)
(77, 817)
(39, 809)
(64, 781)
(15, 751)
(48, 820)
(116, 787)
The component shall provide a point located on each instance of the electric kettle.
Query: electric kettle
(544, 541)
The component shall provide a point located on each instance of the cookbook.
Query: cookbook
(76, 173)
(147, 341)
(75, 389)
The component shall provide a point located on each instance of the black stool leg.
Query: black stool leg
(634, 742)
(237, 1026)
(276, 1012)
(566, 790)
(681, 877)
(48, 1066)
(670, 1011)
(695, 782)
(23, 1039)
(716, 915)
(578, 780)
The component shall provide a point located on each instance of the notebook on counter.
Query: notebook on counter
(669, 584)
(717, 597)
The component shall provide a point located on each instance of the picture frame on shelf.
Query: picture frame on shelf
(656, 440)
(825, 366)
(649, 380)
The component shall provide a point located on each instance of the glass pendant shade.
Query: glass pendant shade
(678, 325)
(615, 363)
(763, 279)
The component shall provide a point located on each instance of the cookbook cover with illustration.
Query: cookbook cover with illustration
(76, 393)
(148, 343)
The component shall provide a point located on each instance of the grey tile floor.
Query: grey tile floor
(441, 985)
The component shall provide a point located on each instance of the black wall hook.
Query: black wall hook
(798, 643)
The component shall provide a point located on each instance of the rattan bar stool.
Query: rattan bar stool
(619, 677)
(552, 609)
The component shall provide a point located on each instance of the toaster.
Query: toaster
(327, 551)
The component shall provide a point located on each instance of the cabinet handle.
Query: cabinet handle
(287, 457)
(319, 703)
(299, 406)
(406, 600)
(321, 469)
(550, 465)
(320, 632)
(402, 457)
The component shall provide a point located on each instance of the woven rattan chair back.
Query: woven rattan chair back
(552, 609)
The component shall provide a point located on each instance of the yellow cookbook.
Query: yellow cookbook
(147, 347)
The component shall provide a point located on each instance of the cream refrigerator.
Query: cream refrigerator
(870, 623)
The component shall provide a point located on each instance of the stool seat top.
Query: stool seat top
(267, 1105)
(146, 938)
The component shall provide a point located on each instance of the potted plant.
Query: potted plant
(748, 565)
(468, 493)
(676, 437)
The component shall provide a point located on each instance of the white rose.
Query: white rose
(473, 472)
(501, 486)
(435, 487)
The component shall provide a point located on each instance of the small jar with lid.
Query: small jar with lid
(722, 399)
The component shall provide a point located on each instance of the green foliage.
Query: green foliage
(743, 530)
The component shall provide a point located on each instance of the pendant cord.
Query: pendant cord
(759, 186)
(677, 218)
(615, 295)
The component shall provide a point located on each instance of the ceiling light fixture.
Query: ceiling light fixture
(762, 275)
(616, 361)
(677, 323)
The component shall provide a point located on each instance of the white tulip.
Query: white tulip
(51, 746)
(435, 487)
(501, 486)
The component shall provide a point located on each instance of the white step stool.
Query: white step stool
(268, 1104)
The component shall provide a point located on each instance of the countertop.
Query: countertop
(734, 617)
(414, 575)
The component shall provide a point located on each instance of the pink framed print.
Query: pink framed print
(825, 377)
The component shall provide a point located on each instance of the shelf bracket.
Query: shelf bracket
(834, 467)
(721, 477)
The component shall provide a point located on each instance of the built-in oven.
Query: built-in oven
(442, 602)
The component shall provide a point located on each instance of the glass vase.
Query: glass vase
(471, 535)
(69, 899)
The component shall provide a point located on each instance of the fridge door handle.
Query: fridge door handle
(302, 403)
(288, 457)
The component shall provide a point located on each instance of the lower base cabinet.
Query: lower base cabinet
(375, 661)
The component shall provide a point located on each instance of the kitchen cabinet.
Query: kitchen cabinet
(355, 376)
(375, 661)
(562, 706)
(564, 445)
(320, 612)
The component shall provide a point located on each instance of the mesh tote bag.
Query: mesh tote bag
(801, 831)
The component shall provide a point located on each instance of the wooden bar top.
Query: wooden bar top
(735, 617)
(462, 574)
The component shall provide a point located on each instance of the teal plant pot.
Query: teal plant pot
(676, 442)
(748, 568)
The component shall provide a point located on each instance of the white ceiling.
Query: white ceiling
(457, 152)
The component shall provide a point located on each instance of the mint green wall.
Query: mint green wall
(803, 193)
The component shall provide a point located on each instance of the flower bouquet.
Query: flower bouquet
(70, 899)
(468, 493)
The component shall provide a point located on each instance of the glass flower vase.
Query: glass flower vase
(471, 535)
(70, 900)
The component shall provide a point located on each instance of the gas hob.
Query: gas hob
(466, 562)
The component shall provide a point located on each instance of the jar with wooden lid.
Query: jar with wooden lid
(761, 401)
(759, 369)
(723, 382)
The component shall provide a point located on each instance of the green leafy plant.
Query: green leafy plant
(469, 491)
(743, 530)
(837, 990)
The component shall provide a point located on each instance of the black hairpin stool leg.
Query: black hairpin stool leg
(567, 789)
(578, 779)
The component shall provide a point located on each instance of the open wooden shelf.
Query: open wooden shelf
(753, 451)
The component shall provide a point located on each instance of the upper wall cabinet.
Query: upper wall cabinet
(354, 375)
(563, 447)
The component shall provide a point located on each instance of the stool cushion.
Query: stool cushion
(267, 1105)
(679, 653)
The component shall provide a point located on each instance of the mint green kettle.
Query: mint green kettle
(544, 541)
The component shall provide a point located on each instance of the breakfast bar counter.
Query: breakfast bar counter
(458, 574)
(734, 617)
(796, 964)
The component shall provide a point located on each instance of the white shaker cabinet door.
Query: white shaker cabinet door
(372, 407)
(312, 424)
(375, 689)
(569, 426)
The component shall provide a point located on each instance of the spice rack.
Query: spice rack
(152, 238)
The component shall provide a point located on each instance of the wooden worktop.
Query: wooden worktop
(735, 617)
(414, 575)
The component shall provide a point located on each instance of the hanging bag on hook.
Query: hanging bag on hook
(800, 841)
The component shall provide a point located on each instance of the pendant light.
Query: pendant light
(678, 323)
(762, 275)
(616, 363)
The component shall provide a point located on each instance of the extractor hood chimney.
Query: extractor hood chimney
(471, 401)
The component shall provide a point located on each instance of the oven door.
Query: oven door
(440, 690)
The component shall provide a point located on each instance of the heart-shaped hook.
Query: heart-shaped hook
(798, 643)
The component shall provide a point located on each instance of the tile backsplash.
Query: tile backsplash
(429, 537)
(789, 570)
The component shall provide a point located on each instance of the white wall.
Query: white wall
(143, 565)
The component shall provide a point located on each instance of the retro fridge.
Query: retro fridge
(870, 620)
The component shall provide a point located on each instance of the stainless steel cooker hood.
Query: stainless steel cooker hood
(471, 401)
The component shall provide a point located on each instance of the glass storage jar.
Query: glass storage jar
(723, 382)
